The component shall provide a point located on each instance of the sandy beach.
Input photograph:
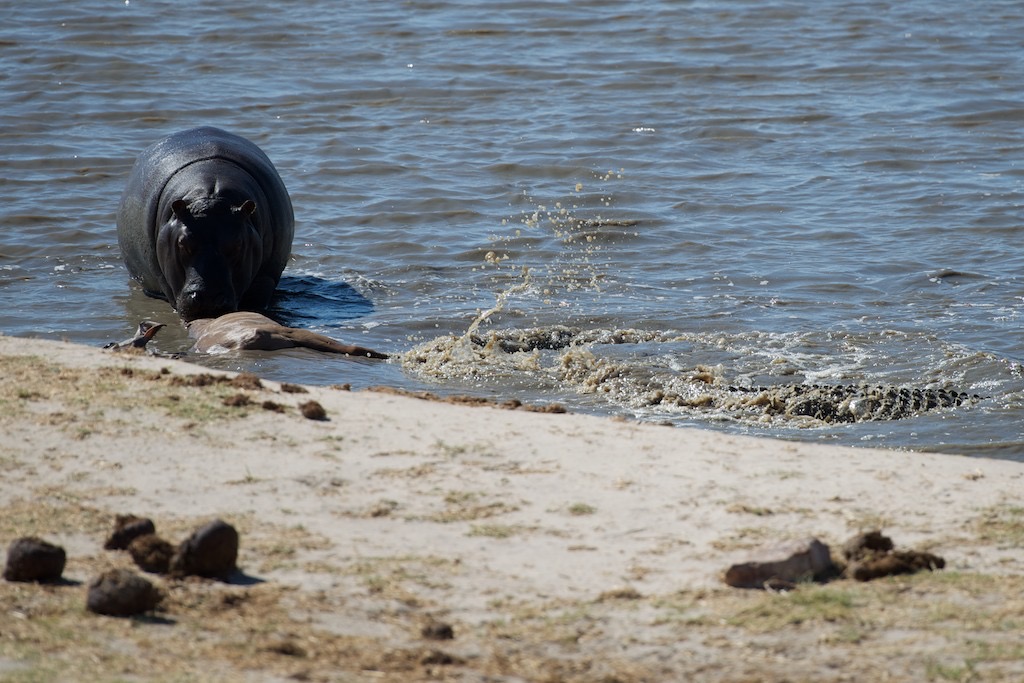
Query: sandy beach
(556, 547)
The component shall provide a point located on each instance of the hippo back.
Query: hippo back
(142, 203)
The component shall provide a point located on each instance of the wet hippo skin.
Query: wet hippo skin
(206, 223)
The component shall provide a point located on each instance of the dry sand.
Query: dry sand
(556, 546)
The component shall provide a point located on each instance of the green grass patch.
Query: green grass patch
(809, 603)
(496, 530)
(1002, 524)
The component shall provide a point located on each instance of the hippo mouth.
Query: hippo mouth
(195, 304)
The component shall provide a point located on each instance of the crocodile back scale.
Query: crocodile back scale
(703, 389)
(834, 404)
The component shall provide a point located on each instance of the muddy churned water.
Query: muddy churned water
(795, 219)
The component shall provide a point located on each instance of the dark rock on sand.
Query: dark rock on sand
(247, 380)
(273, 406)
(782, 565)
(866, 543)
(871, 556)
(286, 647)
(126, 529)
(896, 562)
(211, 551)
(121, 593)
(313, 410)
(434, 657)
(33, 559)
(152, 553)
(438, 630)
(237, 401)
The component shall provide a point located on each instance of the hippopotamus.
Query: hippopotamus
(206, 223)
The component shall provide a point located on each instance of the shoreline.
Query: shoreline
(396, 511)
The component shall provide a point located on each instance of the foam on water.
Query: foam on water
(646, 374)
(810, 380)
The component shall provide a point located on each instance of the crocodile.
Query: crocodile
(839, 403)
(828, 403)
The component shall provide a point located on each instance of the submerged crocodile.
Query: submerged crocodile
(828, 403)
(840, 403)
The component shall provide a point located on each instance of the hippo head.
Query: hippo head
(209, 251)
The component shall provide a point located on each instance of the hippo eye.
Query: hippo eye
(184, 244)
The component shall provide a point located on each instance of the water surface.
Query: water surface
(776, 191)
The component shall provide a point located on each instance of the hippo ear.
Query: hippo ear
(247, 208)
(180, 209)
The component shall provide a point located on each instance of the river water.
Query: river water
(743, 193)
